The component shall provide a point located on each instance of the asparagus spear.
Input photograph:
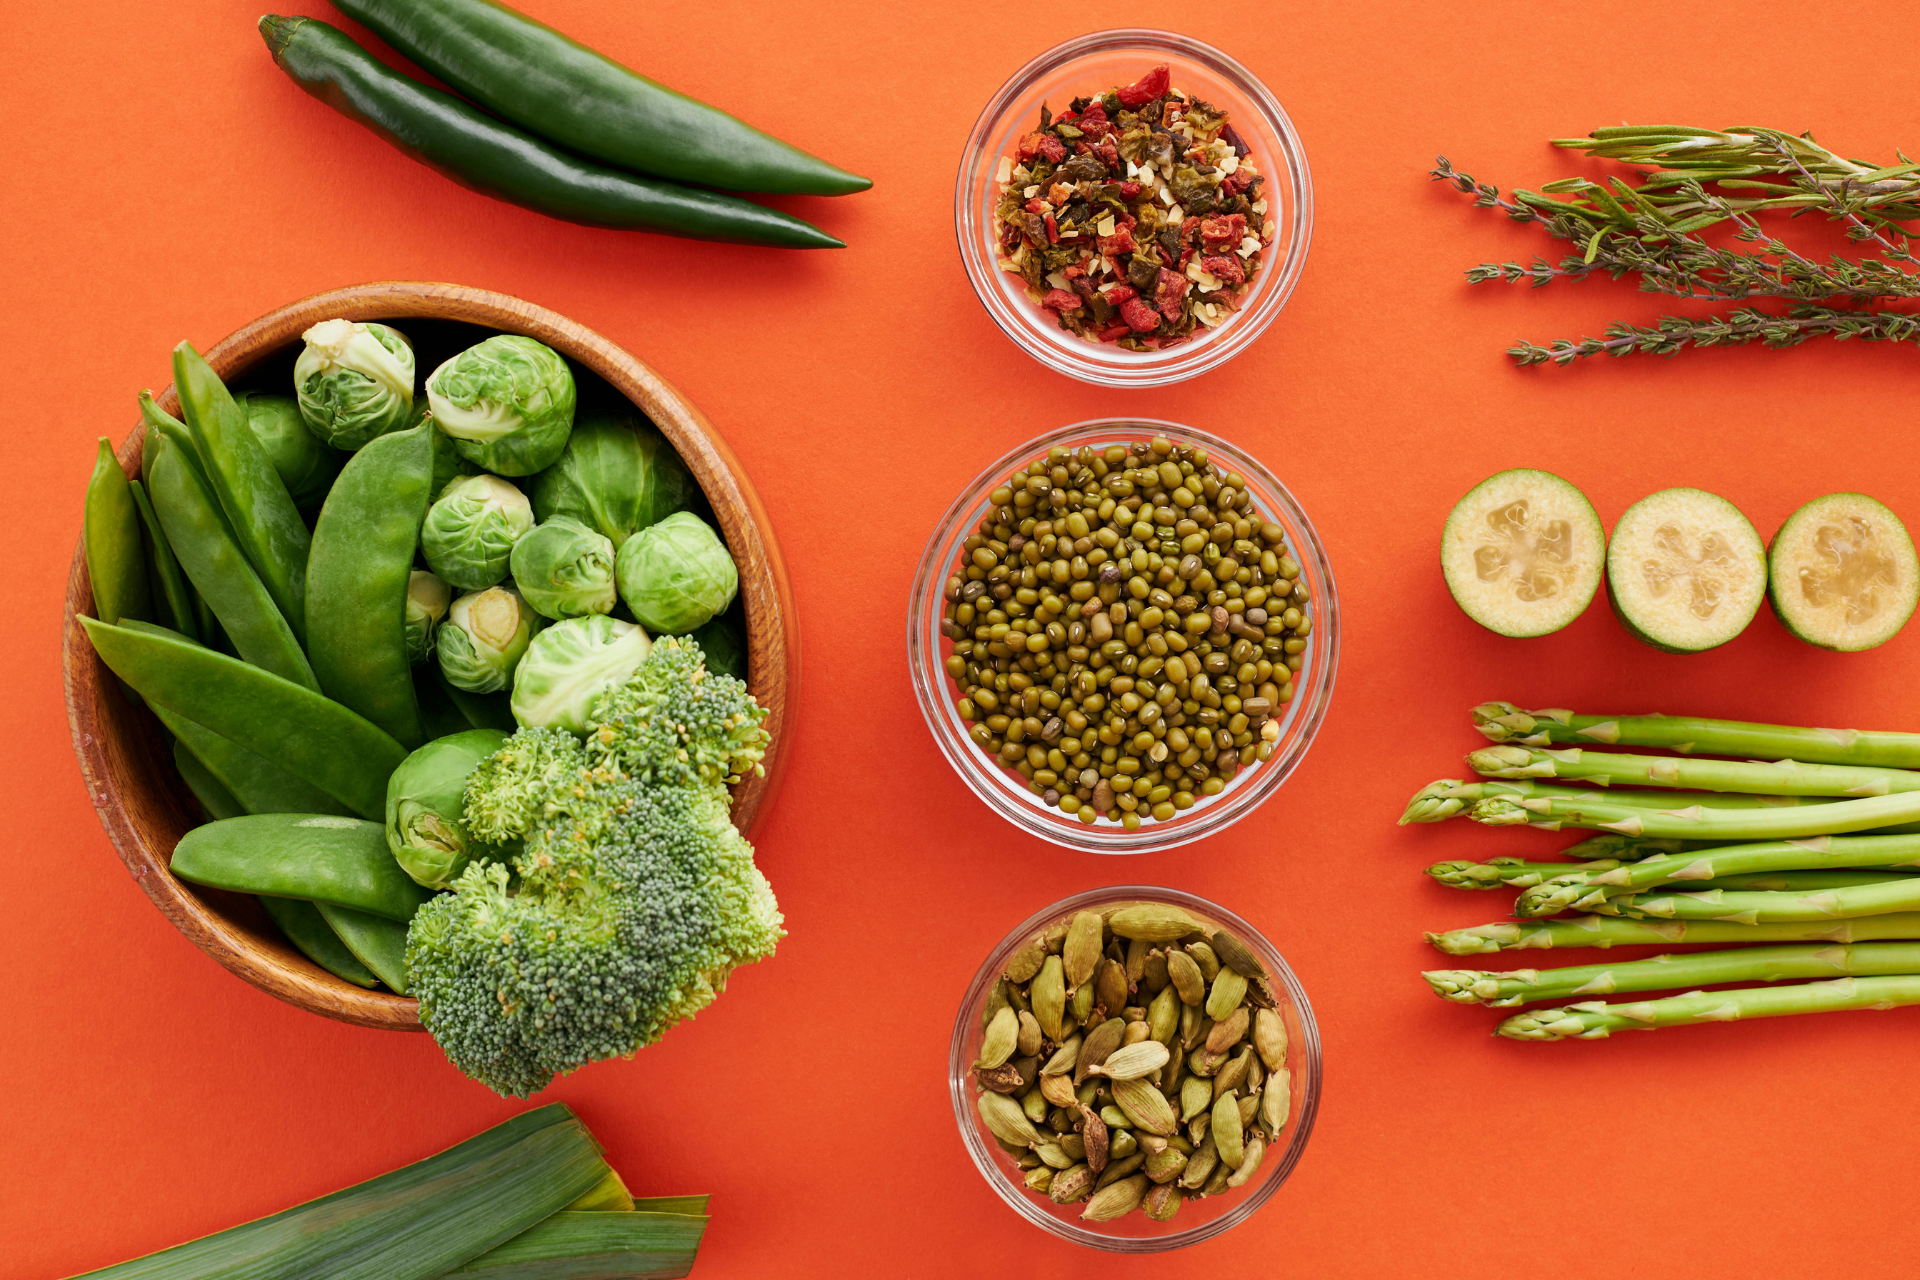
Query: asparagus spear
(1438, 801)
(1762, 907)
(1568, 889)
(1604, 932)
(1606, 768)
(1666, 973)
(1512, 873)
(1595, 1020)
(1505, 722)
(1625, 848)
(1697, 820)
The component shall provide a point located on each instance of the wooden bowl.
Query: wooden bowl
(129, 771)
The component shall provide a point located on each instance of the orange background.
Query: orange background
(164, 181)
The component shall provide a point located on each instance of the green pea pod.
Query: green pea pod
(214, 798)
(160, 425)
(379, 944)
(174, 590)
(204, 541)
(308, 930)
(116, 559)
(257, 785)
(265, 522)
(318, 857)
(363, 547)
(306, 734)
(478, 710)
(438, 716)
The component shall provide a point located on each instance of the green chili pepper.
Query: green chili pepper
(320, 858)
(215, 799)
(265, 522)
(496, 159)
(116, 560)
(308, 930)
(174, 590)
(256, 784)
(363, 547)
(306, 734)
(379, 944)
(200, 535)
(556, 88)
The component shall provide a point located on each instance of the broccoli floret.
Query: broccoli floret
(633, 902)
(678, 724)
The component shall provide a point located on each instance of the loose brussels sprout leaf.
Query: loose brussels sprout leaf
(425, 798)
(569, 665)
(471, 528)
(305, 466)
(427, 598)
(723, 643)
(564, 569)
(354, 382)
(507, 403)
(618, 475)
(483, 639)
(676, 575)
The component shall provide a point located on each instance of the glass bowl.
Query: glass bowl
(1197, 1220)
(1004, 790)
(1091, 64)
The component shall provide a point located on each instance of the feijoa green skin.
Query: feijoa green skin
(1841, 573)
(1523, 552)
(1685, 572)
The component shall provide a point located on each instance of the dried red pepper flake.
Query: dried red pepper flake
(1130, 190)
(1114, 332)
(1223, 233)
(1152, 85)
(1168, 290)
(1053, 229)
(1043, 145)
(1140, 317)
(1224, 267)
(1119, 244)
(1061, 300)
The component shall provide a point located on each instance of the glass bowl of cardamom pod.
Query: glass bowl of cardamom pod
(1101, 1097)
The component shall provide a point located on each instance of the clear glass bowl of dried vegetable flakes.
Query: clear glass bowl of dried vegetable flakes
(1227, 128)
(1196, 1217)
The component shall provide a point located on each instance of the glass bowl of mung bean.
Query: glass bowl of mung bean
(1124, 635)
(1097, 1167)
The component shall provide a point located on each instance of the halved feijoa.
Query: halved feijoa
(1842, 573)
(1523, 553)
(1686, 572)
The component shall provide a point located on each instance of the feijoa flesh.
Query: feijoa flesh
(1686, 571)
(1842, 573)
(1523, 553)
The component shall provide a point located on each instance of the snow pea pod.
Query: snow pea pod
(317, 857)
(308, 930)
(214, 798)
(116, 559)
(174, 591)
(379, 944)
(204, 541)
(265, 522)
(304, 733)
(363, 547)
(257, 784)
(161, 425)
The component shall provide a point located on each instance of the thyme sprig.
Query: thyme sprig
(1652, 232)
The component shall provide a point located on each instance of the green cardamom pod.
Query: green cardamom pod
(1196, 1096)
(1229, 992)
(1137, 961)
(1094, 1138)
(1026, 963)
(1163, 1015)
(1200, 1165)
(1053, 1156)
(1162, 1203)
(996, 1001)
(1055, 937)
(1165, 1165)
(1099, 1042)
(1002, 1079)
(1088, 1091)
(1249, 1108)
(1006, 1121)
(1062, 1060)
(1081, 949)
(1133, 1061)
(1058, 1090)
(1033, 1104)
(1061, 1120)
(1070, 1184)
(1120, 1143)
(1145, 1106)
(1202, 1063)
(1110, 987)
(1195, 1026)
(1116, 1200)
(1250, 1161)
(1184, 974)
(1217, 1180)
(1203, 956)
(1049, 996)
(1231, 1078)
(1001, 1038)
(1152, 922)
(1153, 974)
(1031, 1037)
(1275, 1100)
(1075, 1145)
(1173, 1073)
(1228, 1138)
(1081, 1003)
(1237, 956)
(1270, 1038)
(1256, 1074)
(1118, 1169)
(1039, 1179)
(1137, 1030)
(1227, 1032)
(1114, 1118)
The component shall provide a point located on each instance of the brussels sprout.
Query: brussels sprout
(723, 643)
(426, 797)
(676, 575)
(569, 665)
(471, 528)
(483, 639)
(427, 598)
(305, 466)
(564, 569)
(507, 403)
(618, 475)
(354, 381)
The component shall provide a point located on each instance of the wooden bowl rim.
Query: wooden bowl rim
(773, 644)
